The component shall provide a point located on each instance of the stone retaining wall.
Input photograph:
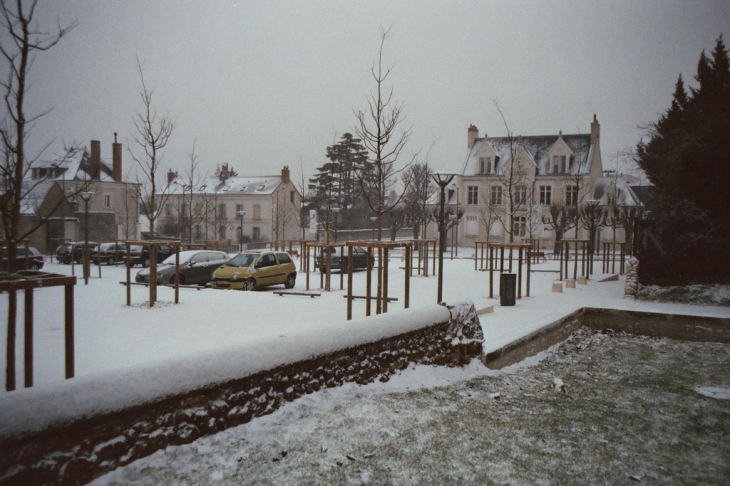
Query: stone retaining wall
(672, 326)
(78, 451)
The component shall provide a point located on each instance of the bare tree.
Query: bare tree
(188, 211)
(21, 40)
(152, 132)
(516, 188)
(419, 191)
(379, 128)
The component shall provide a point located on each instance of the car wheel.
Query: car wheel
(181, 280)
(250, 285)
(291, 280)
(111, 261)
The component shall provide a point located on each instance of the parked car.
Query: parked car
(141, 254)
(32, 260)
(196, 267)
(110, 253)
(63, 252)
(253, 270)
(339, 262)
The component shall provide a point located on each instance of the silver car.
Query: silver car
(196, 267)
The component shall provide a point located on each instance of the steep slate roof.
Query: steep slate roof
(262, 185)
(35, 193)
(537, 147)
(625, 195)
(75, 165)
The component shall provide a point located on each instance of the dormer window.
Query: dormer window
(560, 164)
(485, 165)
(260, 188)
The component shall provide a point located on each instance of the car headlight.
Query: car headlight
(234, 276)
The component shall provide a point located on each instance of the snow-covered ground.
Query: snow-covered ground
(629, 408)
(111, 336)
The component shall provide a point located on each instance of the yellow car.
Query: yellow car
(253, 270)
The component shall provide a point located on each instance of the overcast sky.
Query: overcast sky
(264, 84)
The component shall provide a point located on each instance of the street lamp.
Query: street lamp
(336, 211)
(240, 214)
(86, 197)
(442, 179)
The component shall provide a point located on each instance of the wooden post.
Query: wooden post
(69, 330)
(519, 270)
(349, 287)
(28, 336)
(409, 253)
(385, 280)
(369, 282)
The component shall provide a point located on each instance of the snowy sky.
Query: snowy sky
(263, 84)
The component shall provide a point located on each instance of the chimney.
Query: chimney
(116, 160)
(595, 130)
(171, 176)
(95, 160)
(285, 174)
(224, 173)
(472, 134)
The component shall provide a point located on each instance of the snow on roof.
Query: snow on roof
(35, 193)
(75, 164)
(625, 195)
(231, 185)
(537, 147)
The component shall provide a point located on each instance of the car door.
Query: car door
(197, 269)
(266, 270)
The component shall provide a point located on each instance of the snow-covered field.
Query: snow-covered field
(111, 337)
(629, 407)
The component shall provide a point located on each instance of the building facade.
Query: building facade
(508, 185)
(231, 208)
(112, 207)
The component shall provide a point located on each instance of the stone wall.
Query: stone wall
(84, 448)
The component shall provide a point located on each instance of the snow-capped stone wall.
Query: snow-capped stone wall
(84, 447)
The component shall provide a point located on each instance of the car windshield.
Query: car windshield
(242, 260)
(184, 258)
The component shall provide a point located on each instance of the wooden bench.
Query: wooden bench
(536, 255)
(307, 294)
(363, 297)
(294, 253)
(146, 284)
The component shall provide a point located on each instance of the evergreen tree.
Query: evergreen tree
(336, 185)
(687, 158)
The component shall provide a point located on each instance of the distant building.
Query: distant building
(513, 181)
(211, 208)
(113, 208)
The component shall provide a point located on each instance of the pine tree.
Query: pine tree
(687, 158)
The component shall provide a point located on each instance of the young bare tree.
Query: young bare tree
(152, 133)
(379, 128)
(419, 191)
(188, 212)
(21, 40)
(516, 188)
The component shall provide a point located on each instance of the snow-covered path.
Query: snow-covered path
(110, 335)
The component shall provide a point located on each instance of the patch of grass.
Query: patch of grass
(688, 294)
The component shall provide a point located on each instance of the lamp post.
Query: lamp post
(240, 214)
(86, 197)
(442, 179)
(336, 211)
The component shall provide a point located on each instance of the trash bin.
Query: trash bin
(507, 288)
